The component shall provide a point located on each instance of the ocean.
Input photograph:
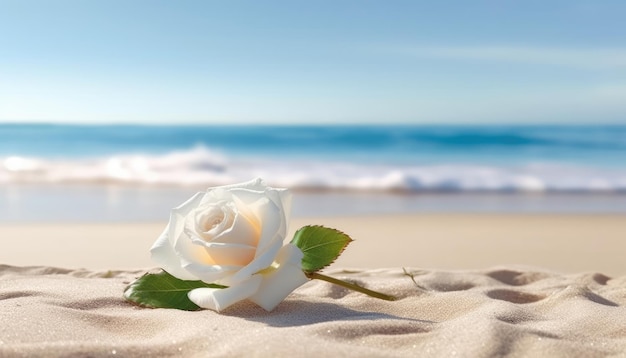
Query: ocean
(336, 169)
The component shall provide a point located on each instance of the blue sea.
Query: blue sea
(388, 168)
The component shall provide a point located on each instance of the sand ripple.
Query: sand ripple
(505, 311)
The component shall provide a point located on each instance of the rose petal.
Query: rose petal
(192, 251)
(222, 192)
(192, 203)
(163, 251)
(209, 274)
(285, 198)
(267, 206)
(259, 263)
(256, 184)
(230, 254)
(279, 283)
(244, 215)
(267, 212)
(271, 218)
(243, 231)
(164, 255)
(274, 222)
(211, 220)
(249, 196)
(178, 214)
(219, 299)
(215, 195)
(290, 254)
(195, 259)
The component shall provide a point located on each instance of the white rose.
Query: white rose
(233, 236)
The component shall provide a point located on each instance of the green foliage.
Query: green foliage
(320, 245)
(162, 290)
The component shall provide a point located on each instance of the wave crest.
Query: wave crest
(203, 166)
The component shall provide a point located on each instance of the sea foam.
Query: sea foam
(201, 166)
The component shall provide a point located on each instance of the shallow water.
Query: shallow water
(111, 203)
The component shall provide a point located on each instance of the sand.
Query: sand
(564, 243)
(477, 286)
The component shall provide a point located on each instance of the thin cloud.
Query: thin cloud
(598, 58)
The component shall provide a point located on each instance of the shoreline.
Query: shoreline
(33, 204)
(567, 243)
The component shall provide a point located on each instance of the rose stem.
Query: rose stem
(351, 286)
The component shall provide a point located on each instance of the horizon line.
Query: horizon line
(309, 124)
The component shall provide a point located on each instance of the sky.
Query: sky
(121, 61)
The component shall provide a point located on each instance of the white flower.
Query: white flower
(233, 236)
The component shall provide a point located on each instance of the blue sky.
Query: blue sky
(313, 61)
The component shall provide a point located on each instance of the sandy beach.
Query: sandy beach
(563, 243)
(467, 285)
(473, 152)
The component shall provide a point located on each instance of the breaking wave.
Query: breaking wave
(202, 166)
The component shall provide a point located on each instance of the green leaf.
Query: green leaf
(320, 245)
(162, 290)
